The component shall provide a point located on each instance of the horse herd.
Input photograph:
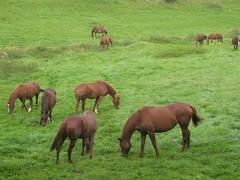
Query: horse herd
(106, 41)
(148, 120)
(215, 36)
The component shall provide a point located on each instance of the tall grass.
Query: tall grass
(153, 61)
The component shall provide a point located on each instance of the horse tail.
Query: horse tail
(60, 137)
(195, 118)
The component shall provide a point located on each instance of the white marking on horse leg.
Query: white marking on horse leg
(49, 118)
(29, 109)
(8, 108)
(95, 111)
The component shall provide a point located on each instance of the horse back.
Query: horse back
(49, 97)
(91, 90)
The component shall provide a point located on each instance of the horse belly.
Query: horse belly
(162, 126)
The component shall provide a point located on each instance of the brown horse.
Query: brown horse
(99, 29)
(150, 120)
(76, 126)
(105, 41)
(215, 36)
(22, 92)
(235, 42)
(96, 91)
(48, 101)
(199, 39)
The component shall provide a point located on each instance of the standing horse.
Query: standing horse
(235, 42)
(150, 120)
(76, 126)
(105, 41)
(199, 39)
(96, 91)
(99, 29)
(48, 101)
(22, 92)
(215, 36)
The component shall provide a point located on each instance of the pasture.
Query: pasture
(153, 61)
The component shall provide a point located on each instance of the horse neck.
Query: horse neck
(45, 103)
(13, 97)
(129, 128)
(111, 91)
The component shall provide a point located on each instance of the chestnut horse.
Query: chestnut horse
(150, 120)
(22, 92)
(48, 101)
(215, 36)
(95, 91)
(199, 39)
(105, 41)
(76, 126)
(99, 29)
(235, 42)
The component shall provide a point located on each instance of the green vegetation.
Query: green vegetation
(153, 61)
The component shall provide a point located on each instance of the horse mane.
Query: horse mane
(109, 87)
(45, 100)
(130, 126)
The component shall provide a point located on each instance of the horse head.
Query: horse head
(116, 100)
(10, 105)
(125, 146)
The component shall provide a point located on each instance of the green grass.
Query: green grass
(153, 61)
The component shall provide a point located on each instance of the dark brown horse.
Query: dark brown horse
(22, 92)
(99, 29)
(76, 126)
(235, 42)
(215, 36)
(105, 42)
(96, 91)
(150, 120)
(199, 39)
(49, 99)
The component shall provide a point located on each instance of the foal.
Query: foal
(105, 42)
(76, 126)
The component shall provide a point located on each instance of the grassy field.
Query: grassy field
(153, 61)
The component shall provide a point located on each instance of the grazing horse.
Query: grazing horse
(199, 39)
(22, 92)
(215, 36)
(235, 42)
(150, 120)
(48, 101)
(105, 41)
(99, 29)
(76, 126)
(96, 91)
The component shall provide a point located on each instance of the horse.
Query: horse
(81, 126)
(215, 36)
(200, 38)
(99, 29)
(105, 41)
(24, 91)
(48, 101)
(149, 120)
(95, 91)
(235, 42)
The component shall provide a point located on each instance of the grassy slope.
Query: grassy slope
(153, 62)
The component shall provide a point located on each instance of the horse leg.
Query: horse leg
(97, 103)
(23, 105)
(83, 145)
(143, 140)
(36, 100)
(186, 138)
(30, 105)
(83, 104)
(70, 148)
(90, 145)
(50, 115)
(77, 104)
(153, 140)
